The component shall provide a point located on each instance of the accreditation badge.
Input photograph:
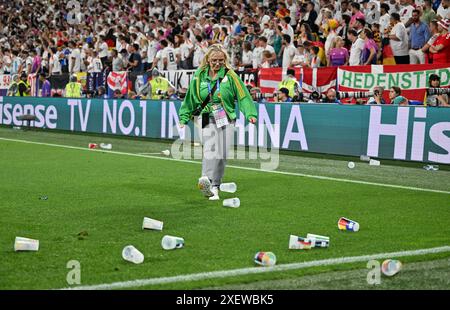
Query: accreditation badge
(220, 116)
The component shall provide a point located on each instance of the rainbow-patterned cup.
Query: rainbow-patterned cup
(347, 224)
(265, 258)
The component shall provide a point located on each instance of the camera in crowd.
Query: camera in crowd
(438, 91)
(258, 96)
(356, 94)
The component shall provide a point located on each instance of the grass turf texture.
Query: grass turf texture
(107, 196)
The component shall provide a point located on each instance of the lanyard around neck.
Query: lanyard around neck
(217, 86)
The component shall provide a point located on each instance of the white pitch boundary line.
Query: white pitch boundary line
(236, 167)
(257, 270)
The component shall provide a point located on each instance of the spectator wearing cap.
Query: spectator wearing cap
(398, 39)
(356, 13)
(440, 48)
(419, 34)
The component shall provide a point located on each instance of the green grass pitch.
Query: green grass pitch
(107, 196)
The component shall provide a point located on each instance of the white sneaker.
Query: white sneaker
(215, 191)
(204, 185)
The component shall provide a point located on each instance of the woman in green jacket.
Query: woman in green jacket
(215, 79)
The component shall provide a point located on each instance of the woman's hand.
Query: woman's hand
(252, 120)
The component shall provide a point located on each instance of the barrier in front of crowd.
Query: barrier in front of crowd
(390, 132)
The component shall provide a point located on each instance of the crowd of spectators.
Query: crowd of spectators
(70, 36)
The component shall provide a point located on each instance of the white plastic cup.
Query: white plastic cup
(166, 152)
(232, 202)
(364, 158)
(319, 241)
(131, 254)
(172, 242)
(228, 187)
(26, 244)
(149, 223)
(299, 243)
(351, 165)
(374, 162)
(106, 146)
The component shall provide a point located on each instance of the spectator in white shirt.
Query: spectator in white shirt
(356, 49)
(102, 50)
(74, 58)
(384, 18)
(289, 51)
(398, 38)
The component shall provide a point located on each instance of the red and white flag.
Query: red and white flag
(310, 79)
(118, 80)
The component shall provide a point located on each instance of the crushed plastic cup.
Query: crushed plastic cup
(374, 162)
(299, 243)
(391, 267)
(93, 145)
(265, 259)
(228, 187)
(347, 224)
(319, 241)
(133, 255)
(166, 153)
(153, 224)
(364, 158)
(172, 242)
(232, 202)
(26, 244)
(431, 168)
(106, 146)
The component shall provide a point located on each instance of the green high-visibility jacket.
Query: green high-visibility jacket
(230, 89)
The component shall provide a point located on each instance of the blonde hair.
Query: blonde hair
(215, 48)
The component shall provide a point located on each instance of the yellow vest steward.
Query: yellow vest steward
(73, 90)
(290, 84)
(159, 83)
(27, 86)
